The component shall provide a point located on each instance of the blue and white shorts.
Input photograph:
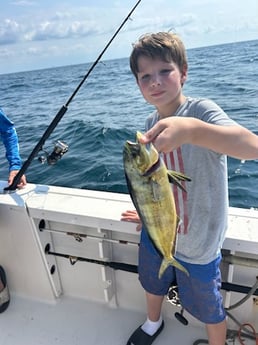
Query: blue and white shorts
(199, 293)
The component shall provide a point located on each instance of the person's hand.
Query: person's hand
(169, 133)
(132, 216)
(22, 181)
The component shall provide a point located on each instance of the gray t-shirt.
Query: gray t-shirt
(203, 210)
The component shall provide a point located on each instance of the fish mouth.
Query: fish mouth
(135, 146)
(135, 143)
(132, 148)
(136, 149)
(132, 144)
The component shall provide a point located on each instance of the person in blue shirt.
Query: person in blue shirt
(10, 140)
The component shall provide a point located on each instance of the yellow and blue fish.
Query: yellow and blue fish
(148, 182)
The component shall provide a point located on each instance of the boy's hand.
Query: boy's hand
(132, 216)
(169, 133)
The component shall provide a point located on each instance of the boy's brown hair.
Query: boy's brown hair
(163, 45)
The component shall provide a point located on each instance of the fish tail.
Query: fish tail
(173, 262)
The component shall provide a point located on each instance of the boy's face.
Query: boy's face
(160, 82)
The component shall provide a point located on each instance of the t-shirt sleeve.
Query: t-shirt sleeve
(208, 111)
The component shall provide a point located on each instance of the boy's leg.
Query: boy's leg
(200, 296)
(217, 333)
(154, 304)
(155, 290)
(148, 332)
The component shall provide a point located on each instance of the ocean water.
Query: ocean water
(108, 109)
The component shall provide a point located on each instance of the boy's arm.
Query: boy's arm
(234, 140)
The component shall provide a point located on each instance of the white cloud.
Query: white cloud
(58, 26)
(9, 31)
(43, 28)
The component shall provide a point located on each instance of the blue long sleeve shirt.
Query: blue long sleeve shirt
(10, 140)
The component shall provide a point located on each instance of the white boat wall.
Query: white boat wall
(50, 234)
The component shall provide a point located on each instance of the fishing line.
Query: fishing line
(61, 113)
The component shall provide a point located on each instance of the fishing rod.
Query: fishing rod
(249, 291)
(61, 148)
(172, 296)
(112, 264)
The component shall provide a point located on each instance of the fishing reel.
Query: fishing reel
(173, 298)
(59, 150)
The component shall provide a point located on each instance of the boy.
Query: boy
(195, 135)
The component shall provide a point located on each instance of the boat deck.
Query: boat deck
(79, 322)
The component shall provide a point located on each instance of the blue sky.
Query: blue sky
(39, 34)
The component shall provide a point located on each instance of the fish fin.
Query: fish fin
(178, 175)
(173, 262)
(175, 178)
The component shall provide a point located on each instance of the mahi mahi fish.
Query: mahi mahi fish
(148, 182)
